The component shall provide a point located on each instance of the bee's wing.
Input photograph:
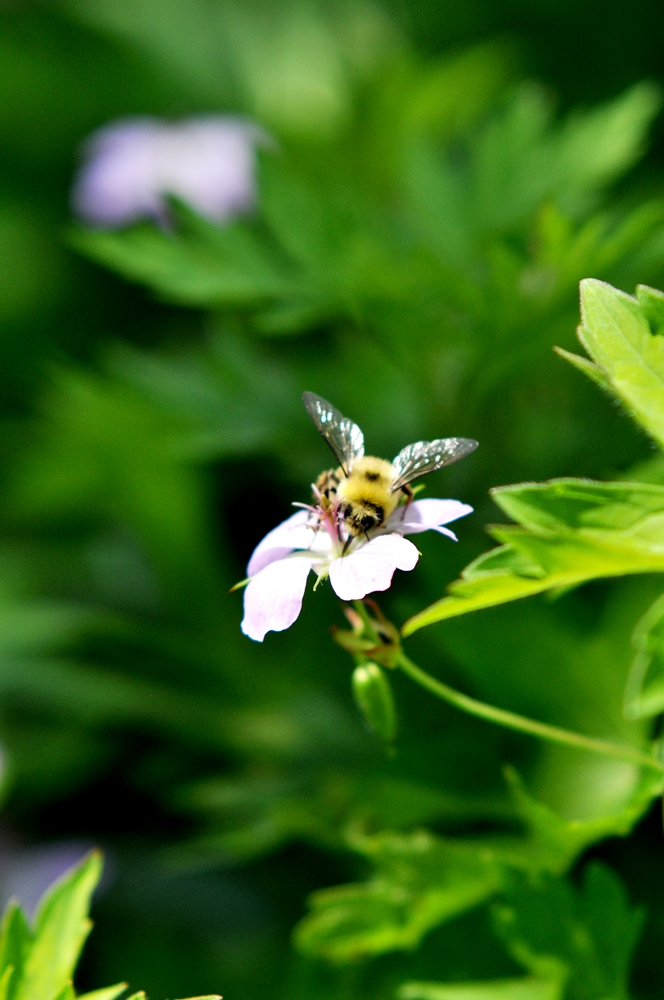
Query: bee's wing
(343, 436)
(427, 456)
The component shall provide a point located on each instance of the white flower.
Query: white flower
(131, 164)
(280, 564)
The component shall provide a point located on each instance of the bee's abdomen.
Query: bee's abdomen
(328, 483)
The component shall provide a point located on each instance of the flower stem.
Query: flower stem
(522, 724)
(366, 620)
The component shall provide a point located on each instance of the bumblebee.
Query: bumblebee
(366, 490)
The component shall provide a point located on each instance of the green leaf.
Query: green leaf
(644, 690)
(66, 993)
(588, 368)
(586, 937)
(597, 146)
(652, 304)
(199, 265)
(553, 842)
(15, 941)
(5, 981)
(105, 993)
(571, 531)
(522, 158)
(420, 881)
(60, 929)
(452, 94)
(616, 332)
(525, 988)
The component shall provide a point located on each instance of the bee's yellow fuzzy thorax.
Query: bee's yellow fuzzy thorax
(368, 477)
(366, 489)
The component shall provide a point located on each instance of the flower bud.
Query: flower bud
(375, 700)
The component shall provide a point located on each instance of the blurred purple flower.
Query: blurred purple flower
(26, 873)
(130, 165)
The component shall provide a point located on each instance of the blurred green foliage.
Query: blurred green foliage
(426, 212)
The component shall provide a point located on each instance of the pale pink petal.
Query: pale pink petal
(372, 566)
(294, 533)
(273, 598)
(430, 515)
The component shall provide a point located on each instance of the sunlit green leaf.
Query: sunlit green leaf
(616, 332)
(5, 982)
(106, 993)
(572, 530)
(66, 993)
(60, 929)
(15, 942)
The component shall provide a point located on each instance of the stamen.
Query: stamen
(306, 506)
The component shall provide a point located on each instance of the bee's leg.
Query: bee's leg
(346, 544)
(315, 530)
(408, 493)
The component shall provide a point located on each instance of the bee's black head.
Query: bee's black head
(360, 519)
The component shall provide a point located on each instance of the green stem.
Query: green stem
(520, 723)
(366, 621)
